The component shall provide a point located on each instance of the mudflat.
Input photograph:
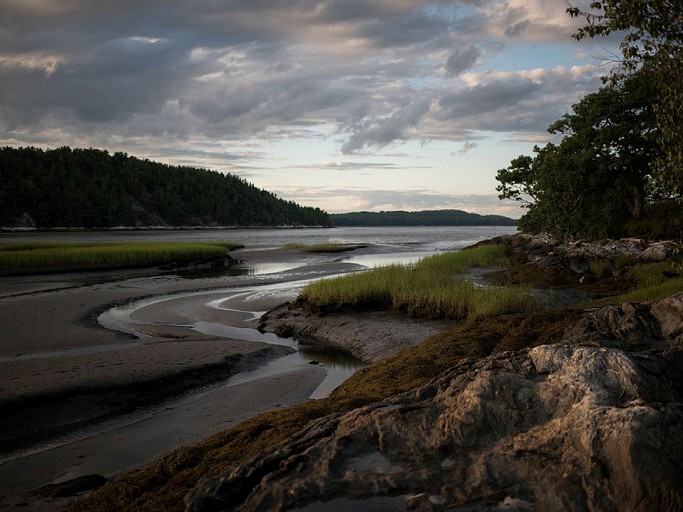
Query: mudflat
(63, 374)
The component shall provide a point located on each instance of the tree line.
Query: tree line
(91, 188)
(618, 167)
(421, 218)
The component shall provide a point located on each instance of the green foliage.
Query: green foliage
(517, 181)
(422, 218)
(43, 257)
(653, 40)
(91, 188)
(661, 221)
(598, 177)
(431, 288)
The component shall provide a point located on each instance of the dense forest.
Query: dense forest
(422, 218)
(91, 188)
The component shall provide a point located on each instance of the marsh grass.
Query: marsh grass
(432, 288)
(49, 257)
(605, 267)
(322, 248)
(646, 282)
(653, 281)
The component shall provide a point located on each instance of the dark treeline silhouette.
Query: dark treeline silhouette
(422, 218)
(91, 188)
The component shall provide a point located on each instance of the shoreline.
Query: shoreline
(64, 373)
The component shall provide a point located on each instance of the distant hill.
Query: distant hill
(91, 188)
(422, 218)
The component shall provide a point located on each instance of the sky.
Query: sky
(345, 105)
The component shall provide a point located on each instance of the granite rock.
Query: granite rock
(592, 423)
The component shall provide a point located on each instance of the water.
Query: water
(338, 363)
(129, 441)
(392, 239)
(381, 246)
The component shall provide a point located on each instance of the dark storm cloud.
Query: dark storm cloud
(106, 83)
(467, 146)
(462, 60)
(383, 131)
(517, 28)
(417, 27)
(489, 97)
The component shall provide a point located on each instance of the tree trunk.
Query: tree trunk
(638, 201)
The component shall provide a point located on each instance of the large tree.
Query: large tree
(653, 40)
(599, 176)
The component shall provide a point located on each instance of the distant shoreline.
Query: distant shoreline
(66, 229)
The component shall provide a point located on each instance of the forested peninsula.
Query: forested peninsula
(422, 218)
(91, 188)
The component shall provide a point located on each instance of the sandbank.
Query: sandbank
(63, 373)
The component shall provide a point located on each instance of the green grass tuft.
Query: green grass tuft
(431, 288)
(50, 257)
(653, 281)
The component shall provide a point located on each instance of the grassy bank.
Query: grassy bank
(648, 282)
(51, 257)
(432, 288)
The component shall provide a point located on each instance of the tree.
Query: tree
(91, 188)
(598, 177)
(518, 181)
(617, 125)
(653, 41)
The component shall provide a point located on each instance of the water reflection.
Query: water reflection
(239, 269)
(383, 259)
(331, 357)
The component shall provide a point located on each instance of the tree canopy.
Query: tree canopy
(620, 158)
(599, 177)
(653, 40)
(67, 187)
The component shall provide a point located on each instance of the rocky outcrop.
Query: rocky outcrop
(369, 336)
(543, 251)
(592, 423)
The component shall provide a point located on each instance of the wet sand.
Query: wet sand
(62, 373)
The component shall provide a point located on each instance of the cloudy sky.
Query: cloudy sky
(342, 104)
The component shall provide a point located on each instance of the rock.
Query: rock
(659, 251)
(654, 325)
(576, 256)
(587, 424)
(369, 336)
(554, 428)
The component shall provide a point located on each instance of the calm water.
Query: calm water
(392, 239)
